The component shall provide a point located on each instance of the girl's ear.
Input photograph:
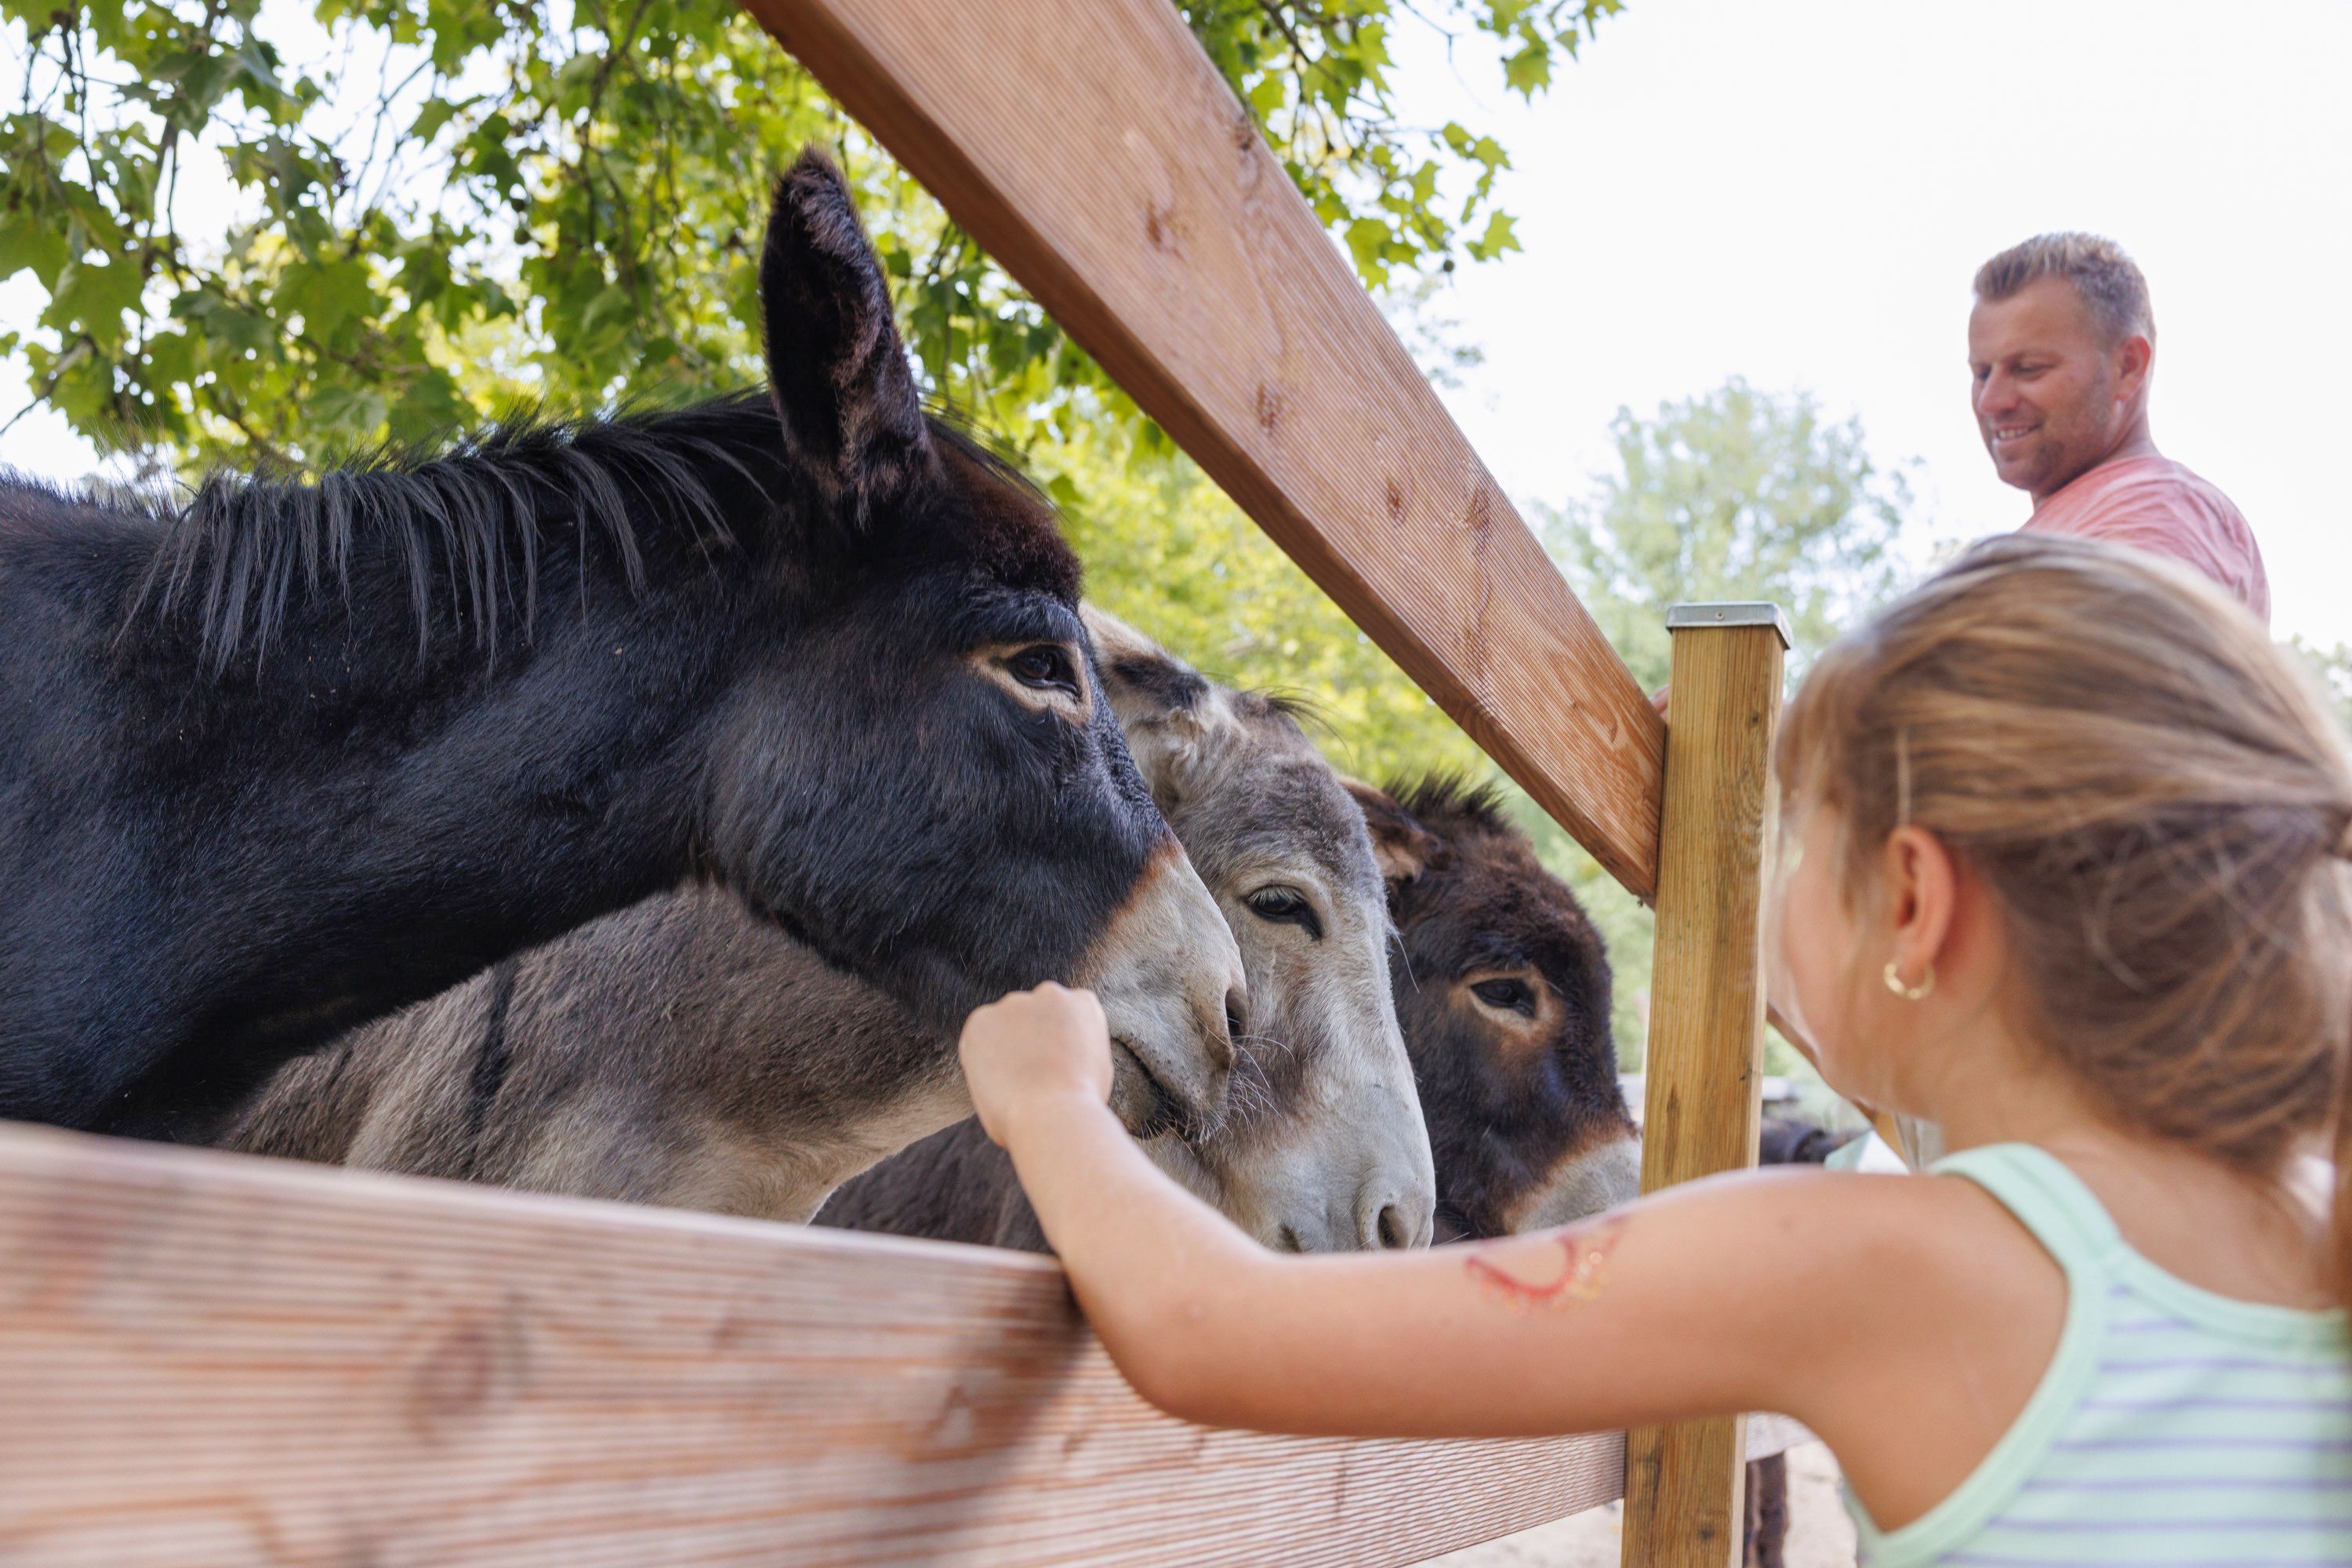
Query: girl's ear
(1922, 894)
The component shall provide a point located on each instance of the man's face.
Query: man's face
(2051, 400)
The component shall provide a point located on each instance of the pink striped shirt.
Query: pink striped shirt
(2153, 503)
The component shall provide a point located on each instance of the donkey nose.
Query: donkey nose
(1236, 1015)
(1390, 1223)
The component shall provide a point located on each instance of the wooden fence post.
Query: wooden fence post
(1683, 1482)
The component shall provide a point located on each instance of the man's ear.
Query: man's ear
(2134, 363)
(836, 372)
(1402, 847)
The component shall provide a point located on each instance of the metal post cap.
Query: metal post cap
(1731, 613)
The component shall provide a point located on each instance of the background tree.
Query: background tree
(1737, 494)
(443, 204)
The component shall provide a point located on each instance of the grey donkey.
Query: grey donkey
(683, 1053)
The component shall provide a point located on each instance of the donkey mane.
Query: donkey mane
(1299, 709)
(1449, 801)
(474, 509)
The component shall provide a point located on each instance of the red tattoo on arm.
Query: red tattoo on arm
(1539, 1280)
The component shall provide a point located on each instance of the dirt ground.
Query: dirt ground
(1820, 1533)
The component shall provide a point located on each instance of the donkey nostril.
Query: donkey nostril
(1236, 1014)
(1392, 1232)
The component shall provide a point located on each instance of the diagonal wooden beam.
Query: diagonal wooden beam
(1095, 152)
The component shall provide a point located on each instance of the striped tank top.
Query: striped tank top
(2173, 1428)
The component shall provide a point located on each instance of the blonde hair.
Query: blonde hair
(2162, 805)
(2108, 282)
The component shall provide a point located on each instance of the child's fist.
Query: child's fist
(1033, 1047)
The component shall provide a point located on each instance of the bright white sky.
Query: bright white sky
(1798, 191)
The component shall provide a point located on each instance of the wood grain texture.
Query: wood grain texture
(1705, 1065)
(1094, 151)
(209, 1359)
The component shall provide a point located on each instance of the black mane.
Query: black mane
(1444, 800)
(473, 510)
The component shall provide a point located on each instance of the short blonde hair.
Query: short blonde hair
(2107, 280)
(2160, 802)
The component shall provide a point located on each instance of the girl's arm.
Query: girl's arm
(1804, 1292)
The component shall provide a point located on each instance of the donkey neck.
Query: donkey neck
(308, 800)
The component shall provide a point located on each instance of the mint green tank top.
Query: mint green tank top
(2173, 1428)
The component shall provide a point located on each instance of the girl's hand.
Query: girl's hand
(1035, 1047)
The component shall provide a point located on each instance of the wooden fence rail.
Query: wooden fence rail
(209, 1359)
(1094, 151)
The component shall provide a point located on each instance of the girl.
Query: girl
(2064, 868)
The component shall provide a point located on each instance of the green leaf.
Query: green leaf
(228, 329)
(171, 358)
(436, 113)
(1497, 238)
(430, 407)
(329, 296)
(570, 93)
(350, 413)
(1367, 239)
(26, 240)
(93, 296)
(1529, 72)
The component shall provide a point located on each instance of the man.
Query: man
(2062, 345)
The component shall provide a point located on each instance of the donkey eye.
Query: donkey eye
(1285, 906)
(1045, 668)
(1512, 995)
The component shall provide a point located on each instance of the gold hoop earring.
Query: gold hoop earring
(1910, 993)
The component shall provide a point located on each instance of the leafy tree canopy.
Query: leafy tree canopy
(443, 204)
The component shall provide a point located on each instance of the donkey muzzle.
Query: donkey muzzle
(1168, 973)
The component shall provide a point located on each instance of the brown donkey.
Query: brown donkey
(682, 1053)
(1503, 987)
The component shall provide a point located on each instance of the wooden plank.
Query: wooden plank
(1096, 153)
(1701, 1079)
(209, 1359)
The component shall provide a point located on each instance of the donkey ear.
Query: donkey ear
(1161, 702)
(1144, 681)
(836, 371)
(1402, 847)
